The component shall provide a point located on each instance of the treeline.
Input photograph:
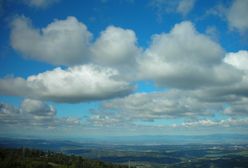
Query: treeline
(32, 158)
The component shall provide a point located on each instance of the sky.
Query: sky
(90, 68)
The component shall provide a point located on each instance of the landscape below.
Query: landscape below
(110, 154)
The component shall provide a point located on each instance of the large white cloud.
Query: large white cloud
(75, 84)
(68, 42)
(184, 58)
(61, 42)
(117, 48)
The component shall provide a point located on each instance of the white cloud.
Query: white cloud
(116, 46)
(33, 114)
(206, 122)
(61, 42)
(237, 15)
(174, 104)
(216, 123)
(37, 107)
(145, 109)
(237, 90)
(74, 84)
(105, 121)
(40, 3)
(68, 42)
(182, 58)
(238, 59)
(148, 107)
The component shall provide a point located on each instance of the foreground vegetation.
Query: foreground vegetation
(31, 158)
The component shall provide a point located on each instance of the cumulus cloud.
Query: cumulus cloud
(74, 84)
(189, 105)
(32, 113)
(182, 58)
(40, 3)
(68, 42)
(143, 109)
(235, 91)
(202, 78)
(37, 107)
(116, 46)
(148, 107)
(63, 42)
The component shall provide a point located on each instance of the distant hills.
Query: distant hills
(127, 140)
(178, 139)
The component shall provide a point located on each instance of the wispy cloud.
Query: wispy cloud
(40, 3)
(234, 13)
(182, 7)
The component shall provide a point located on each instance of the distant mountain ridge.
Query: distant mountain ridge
(127, 140)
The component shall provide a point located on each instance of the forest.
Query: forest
(32, 158)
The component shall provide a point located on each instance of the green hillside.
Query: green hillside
(31, 158)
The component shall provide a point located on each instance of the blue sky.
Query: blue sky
(123, 67)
